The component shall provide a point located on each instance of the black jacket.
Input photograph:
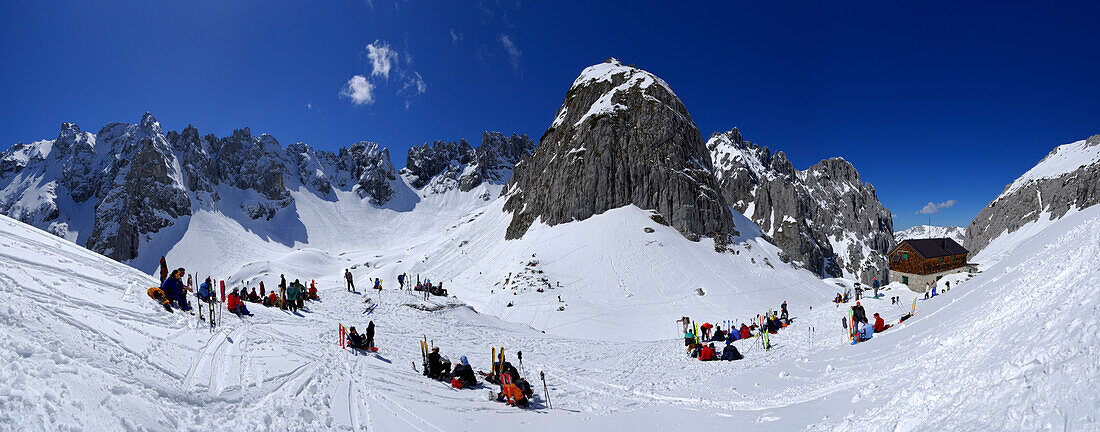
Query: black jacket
(858, 315)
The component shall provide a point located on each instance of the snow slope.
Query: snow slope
(1012, 349)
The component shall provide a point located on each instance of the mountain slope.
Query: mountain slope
(1066, 180)
(825, 218)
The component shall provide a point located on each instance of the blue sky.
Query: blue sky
(941, 103)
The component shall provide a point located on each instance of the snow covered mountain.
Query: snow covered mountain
(1067, 180)
(825, 218)
(128, 191)
(85, 349)
(931, 231)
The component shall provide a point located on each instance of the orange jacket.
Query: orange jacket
(273, 298)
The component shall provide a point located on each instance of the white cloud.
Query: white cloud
(933, 208)
(513, 52)
(359, 90)
(309, 107)
(455, 36)
(382, 58)
(414, 84)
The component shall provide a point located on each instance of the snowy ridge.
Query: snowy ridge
(1064, 159)
(931, 231)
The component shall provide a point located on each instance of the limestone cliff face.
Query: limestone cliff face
(1067, 178)
(621, 137)
(825, 218)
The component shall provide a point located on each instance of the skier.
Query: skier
(859, 292)
(253, 297)
(378, 284)
(350, 283)
(858, 314)
(718, 334)
(783, 312)
(689, 338)
(163, 270)
(746, 332)
(947, 286)
(272, 299)
(401, 280)
(370, 335)
(263, 292)
(235, 305)
(875, 285)
(706, 331)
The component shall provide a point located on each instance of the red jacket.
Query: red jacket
(745, 332)
(879, 324)
(707, 353)
(232, 301)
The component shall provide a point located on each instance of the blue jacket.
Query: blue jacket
(172, 288)
(204, 289)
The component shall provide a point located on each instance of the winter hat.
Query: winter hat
(857, 303)
(463, 360)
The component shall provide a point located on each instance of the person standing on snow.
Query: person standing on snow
(350, 283)
(282, 290)
(783, 311)
(401, 280)
(875, 285)
(370, 335)
(858, 314)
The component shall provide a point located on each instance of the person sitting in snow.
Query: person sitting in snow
(172, 287)
(746, 332)
(707, 353)
(355, 340)
(205, 289)
(463, 375)
(235, 305)
(718, 335)
(272, 299)
(730, 353)
(253, 297)
(880, 325)
(689, 338)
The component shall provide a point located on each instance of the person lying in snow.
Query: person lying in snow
(158, 295)
(463, 375)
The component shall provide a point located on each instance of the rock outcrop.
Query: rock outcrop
(1067, 178)
(442, 166)
(824, 218)
(621, 137)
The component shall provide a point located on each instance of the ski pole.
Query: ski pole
(545, 391)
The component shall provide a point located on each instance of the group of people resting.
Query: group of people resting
(697, 347)
(427, 286)
(439, 368)
(863, 330)
(171, 291)
(358, 341)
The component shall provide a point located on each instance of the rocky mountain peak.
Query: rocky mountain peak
(824, 218)
(621, 137)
